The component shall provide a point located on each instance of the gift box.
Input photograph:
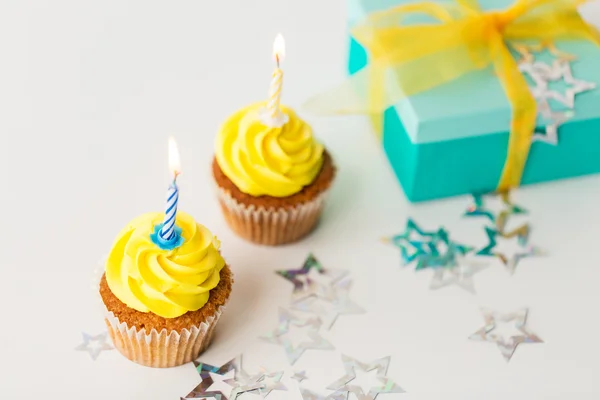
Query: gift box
(453, 139)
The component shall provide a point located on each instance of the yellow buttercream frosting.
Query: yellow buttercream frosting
(168, 283)
(263, 160)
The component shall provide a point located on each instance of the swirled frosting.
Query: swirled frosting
(168, 283)
(263, 160)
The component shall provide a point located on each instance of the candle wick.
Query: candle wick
(175, 175)
(277, 59)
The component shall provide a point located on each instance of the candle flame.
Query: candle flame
(279, 48)
(174, 163)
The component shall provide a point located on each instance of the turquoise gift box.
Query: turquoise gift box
(453, 139)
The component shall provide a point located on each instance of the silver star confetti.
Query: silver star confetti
(459, 274)
(542, 74)
(270, 381)
(312, 280)
(508, 345)
(483, 206)
(510, 261)
(231, 377)
(299, 376)
(94, 344)
(381, 366)
(293, 352)
(555, 120)
(328, 311)
(309, 395)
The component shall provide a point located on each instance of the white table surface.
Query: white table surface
(89, 93)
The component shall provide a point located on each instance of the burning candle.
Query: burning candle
(277, 79)
(167, 232)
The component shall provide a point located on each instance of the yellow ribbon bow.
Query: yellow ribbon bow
(405, 59)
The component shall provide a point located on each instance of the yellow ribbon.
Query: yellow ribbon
(405, 60)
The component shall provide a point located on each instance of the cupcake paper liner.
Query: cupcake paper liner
(161, 349)
(272, 226)
(155, 349)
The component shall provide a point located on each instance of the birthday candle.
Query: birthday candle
(167, 231)
(277, 79)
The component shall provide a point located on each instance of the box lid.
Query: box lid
(475, 104)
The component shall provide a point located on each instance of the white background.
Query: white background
(89, 93)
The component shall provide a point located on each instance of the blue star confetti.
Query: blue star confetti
(427, 249)
(411, 241)
(480, 207)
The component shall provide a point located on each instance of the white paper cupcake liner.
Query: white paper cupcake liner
(155, 349)
(271, 226)
(161, 349)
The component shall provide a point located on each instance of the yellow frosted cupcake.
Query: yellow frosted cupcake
(165, 284)
(162, 305)
(272, 178)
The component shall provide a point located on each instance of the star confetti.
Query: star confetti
(459, 274)
(428, 249)
(309, 395)
(381, 366)
(94, 344)
(482, 207)
(440, 252)
(410, 241)
(555, 120)
(299, 376)
(329, 311)
(270, 381)
(230, 377)
(542, 74)
(313, 339)
(510, 261)
(506, 345)
(312, 280)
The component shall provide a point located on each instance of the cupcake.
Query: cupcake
(272, 179)
(163, 302)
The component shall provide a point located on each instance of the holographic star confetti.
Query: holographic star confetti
(410, 241)
(94, 344)
(460, 273)
(381, 366)
(299, 376)
(440, 252)
(313, 338)
(510, 261)
(329, 310)
(428, 249)
(230, 377)
(553, 120)
(497, 214)
(542, 74)
(507, 345)
(270, 381)
(310, 395)
(312, 280)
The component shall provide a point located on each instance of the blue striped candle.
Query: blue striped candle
(167, 231)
